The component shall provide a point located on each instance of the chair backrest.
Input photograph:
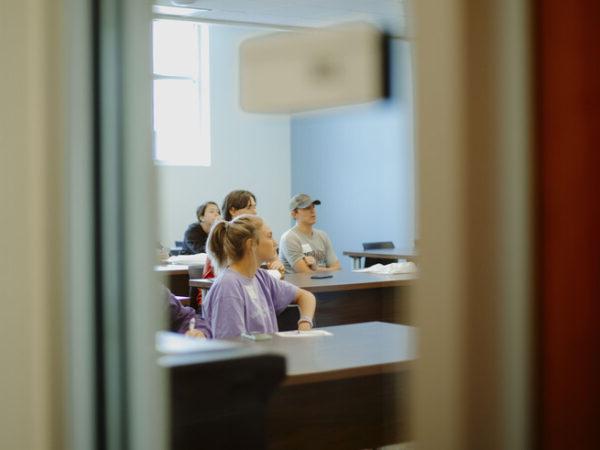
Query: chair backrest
(176, 251)
(377, 245)
(195, 293)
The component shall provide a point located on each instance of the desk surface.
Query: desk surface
(383, 253)
(348, 281)
(171, 269)
(354, 350)
(340, 281)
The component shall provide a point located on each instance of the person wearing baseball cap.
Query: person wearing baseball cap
(304, 248)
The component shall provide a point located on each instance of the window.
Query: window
(181, 93)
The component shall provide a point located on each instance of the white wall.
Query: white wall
(249, 151)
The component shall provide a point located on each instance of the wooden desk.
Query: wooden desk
(385, 253)
(352, 297)
(348, 390)
(176, 277)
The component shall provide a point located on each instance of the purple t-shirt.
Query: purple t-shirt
(236, 304)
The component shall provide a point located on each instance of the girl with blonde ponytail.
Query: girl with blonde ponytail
(245, 298)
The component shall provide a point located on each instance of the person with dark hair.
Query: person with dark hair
(194, 239)
(245, 298)
(237, 203)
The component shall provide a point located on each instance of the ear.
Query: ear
(232, 211)
(293, 213)
(248, 244)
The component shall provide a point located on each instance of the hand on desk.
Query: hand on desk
(195, 333)
(304, 326)
(276, 264)
(311, 262)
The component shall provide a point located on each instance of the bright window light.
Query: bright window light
(181, 93)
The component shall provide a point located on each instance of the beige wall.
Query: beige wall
(30, 237)
(474, 294)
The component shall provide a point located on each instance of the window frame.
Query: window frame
(202, 82)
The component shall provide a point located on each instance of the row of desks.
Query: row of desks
(342, 391)
(348, 390)
(390, 254)
(352, 297)
(346, 297)
(178, 274)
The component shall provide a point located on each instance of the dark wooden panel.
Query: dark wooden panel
(382, 304)
(568, 160)
(179, 284)
(360, 412)
(175, 277)
(222, 404)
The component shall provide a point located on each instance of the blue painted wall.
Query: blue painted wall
(359, 162)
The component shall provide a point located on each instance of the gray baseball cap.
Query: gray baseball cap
(300, 201)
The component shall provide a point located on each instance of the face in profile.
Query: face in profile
(266, 246)
(306, 215)
(211, 214)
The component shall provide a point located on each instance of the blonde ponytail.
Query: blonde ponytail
(226, 240)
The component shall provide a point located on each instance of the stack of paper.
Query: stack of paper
(304, 334)
(188, 260)
(393, 268)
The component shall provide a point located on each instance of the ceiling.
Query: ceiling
(389, 15)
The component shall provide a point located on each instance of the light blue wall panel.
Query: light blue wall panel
(359, 162)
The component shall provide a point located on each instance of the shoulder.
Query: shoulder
(290, 236)
(270, 282)
(227, 281)
(264, 278)
(320, 233)
(194, 227)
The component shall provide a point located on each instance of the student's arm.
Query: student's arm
(285, 293)
(180, 317)
(276, 264)
(335, 266)
(291, 250)
(307, 303)
(302, 264)
(195, 332)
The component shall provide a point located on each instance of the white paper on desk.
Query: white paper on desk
(198, 259)
(175, 343)
(390, 269)
(304, 334)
